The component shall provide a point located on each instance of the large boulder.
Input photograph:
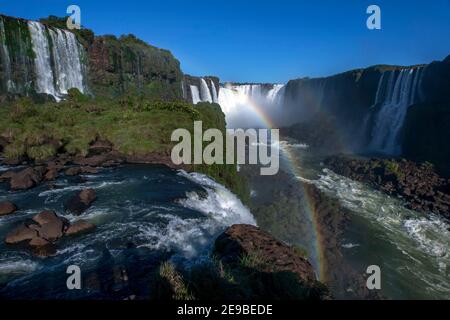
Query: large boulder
(43, 231)
(27, 178)
(7, 207)
(266, 268)
(241, 241)
(81, 202)
(21, 234)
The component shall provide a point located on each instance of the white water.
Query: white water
(221, 204)
(195, 95)
(421, 242)
(215, 97)
(397, 91)
(244, 105)
(64, 53)
(5, 59)
(205, 94)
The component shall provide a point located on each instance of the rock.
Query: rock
(80, 226)
(6, 208)
(44, 250)
(87, 196)
(100, 147)
(50, 226)
(81, 202)
(21, 234)
(74, 171)
(94, 161)
(241, 240)
(38, 242)
(7, 175)
(51, 175)
(418, 184)
(27, 178)
(45, 217)
(90, 170)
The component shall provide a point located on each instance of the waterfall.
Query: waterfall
(250, 105)
(195, 95)
(276, 94)
(41, 48)
(215, 97)
(205, 94)
(5, 60)
(396, 92)
(68, 72)
(57, 61)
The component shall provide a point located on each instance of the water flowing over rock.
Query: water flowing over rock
(397, 90)
(58, 48)
(204, 89)
(36, 58)
(247, 105)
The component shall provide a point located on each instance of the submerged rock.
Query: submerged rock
(81, 202)
(7, 208)
(80, 226)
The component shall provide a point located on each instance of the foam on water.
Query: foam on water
(221, 204)
(422, 240)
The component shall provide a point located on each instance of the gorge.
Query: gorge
(85, 112)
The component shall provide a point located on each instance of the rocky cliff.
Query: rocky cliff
(34, 57)
(391, 110)
(200, 89)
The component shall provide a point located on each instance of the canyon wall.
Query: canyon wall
(44, 59)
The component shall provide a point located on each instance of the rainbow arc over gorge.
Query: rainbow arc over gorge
(293, 165)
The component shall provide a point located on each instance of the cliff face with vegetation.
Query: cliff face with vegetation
(426, 130)
(115, 66)
(363, 111)
(16, 57)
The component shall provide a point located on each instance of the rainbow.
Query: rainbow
(317, 257)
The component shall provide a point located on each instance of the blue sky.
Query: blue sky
(267, 41)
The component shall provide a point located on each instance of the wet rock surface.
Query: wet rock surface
(81, 201)
(418, 184)
(7, 207)
(44, 230)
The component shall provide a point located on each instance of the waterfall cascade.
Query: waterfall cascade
(244, 104)
(195, 95)
(397, 91)
(201, 90)
(5, 60)
(38, 58)
(61, 49)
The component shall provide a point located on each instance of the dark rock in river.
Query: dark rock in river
(43, 231)
(81, 202)
(27, 178)
(79, 227)
(7, 207)
(418, 184)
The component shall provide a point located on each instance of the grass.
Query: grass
(134, 125)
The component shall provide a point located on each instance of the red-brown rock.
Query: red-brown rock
(7, 207)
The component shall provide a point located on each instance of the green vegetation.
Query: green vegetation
(168, 283)
(134, 125)
(252, 278)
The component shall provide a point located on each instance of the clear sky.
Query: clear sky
(267, 41)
